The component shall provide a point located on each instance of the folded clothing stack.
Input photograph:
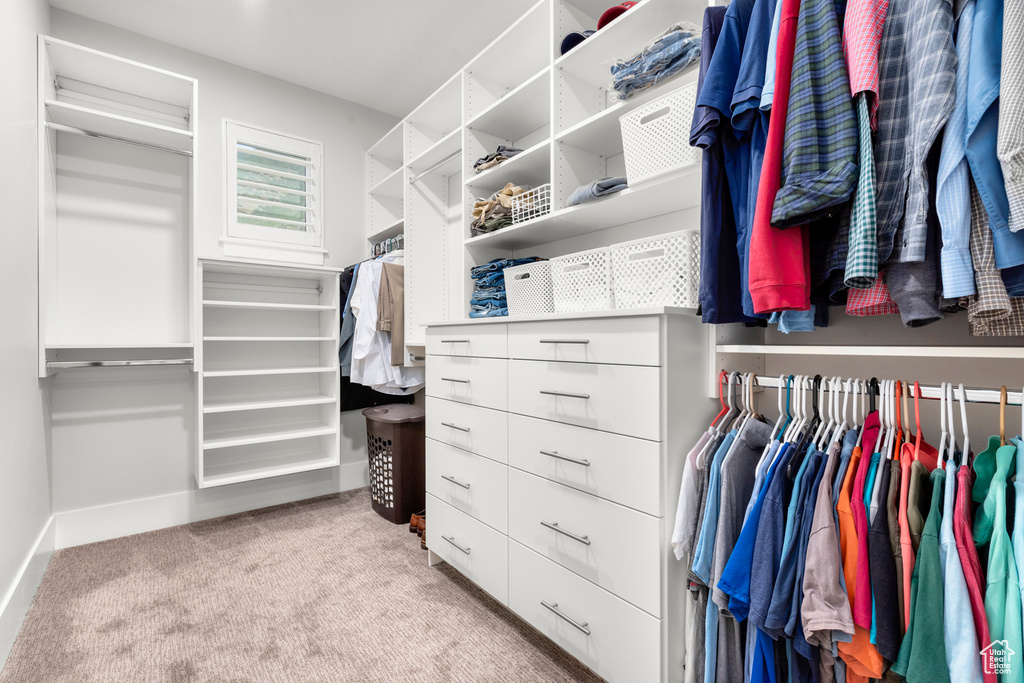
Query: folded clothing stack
(670, 53)
(503, 153)
(489, 299)
(493, 214)
(597, 189)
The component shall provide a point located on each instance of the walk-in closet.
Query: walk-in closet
(669, 341)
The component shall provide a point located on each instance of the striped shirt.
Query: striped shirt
(1011, 110)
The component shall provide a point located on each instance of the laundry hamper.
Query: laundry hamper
(396, 443)
(657, 271)
(528, 288)
(656, 136)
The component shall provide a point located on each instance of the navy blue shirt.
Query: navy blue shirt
(768, 544)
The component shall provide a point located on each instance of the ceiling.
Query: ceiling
(386, 55)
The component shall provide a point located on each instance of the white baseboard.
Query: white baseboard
(101, 523)
(17, 599)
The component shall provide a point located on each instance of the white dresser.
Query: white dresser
(554, 458)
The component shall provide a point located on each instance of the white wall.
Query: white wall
(25, 544)
(123, 438)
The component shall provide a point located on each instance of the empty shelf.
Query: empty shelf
(216, 475)
(518, 113)
(240, 406)
(262, 306)
(248, 437)
(95, 122)
(441, 150)
(253, 372)
(390, 187)
(267, 339)
(392, 230)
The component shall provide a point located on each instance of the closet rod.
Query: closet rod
(60, 127)
(971, 394)
(436, 166)
(59, 364)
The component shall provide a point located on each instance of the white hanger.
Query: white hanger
(942, 421)
(894, 426)
(838, 434)
(883, 415)
(797, 408)
(782, 414)
(963, 423)
(952, 423)
(816, 440)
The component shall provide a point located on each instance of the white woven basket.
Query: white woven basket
(659, 271)
(583, 281)
(531, 204)
(528, 288)
(656, 136)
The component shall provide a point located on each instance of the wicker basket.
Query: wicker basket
(528, 288)
(658, 271)
(656, 136)
(583, 281)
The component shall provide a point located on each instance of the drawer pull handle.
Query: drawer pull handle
(461, 429)
(454, 481)
(454, 341)
(556, 454)
(564, 341)
(566, 394)
(572, 622)
(585, 540)
(464, 549)
(457, 381)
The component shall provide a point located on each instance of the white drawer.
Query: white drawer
(615, 639)
(470, 483)
(479, 552)
(625, 341)
(471, 428)
(613, 398)
(479, 381)
(483, 341)
(620, 468)
(617, 548)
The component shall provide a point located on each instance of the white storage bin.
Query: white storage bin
(528, 288)
(658, 271)
(531, 204)
(583, 281)
(656, 136)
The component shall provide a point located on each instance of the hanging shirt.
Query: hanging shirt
(892, 508)
(862, 40)
(953, 195)
(686, 509)
(1010, 141)
(959, 634)
(719, 293)
(862, 602)
(780, 265)
(883, 574)
(862, 255)
(768, 91)
(922, 656)
(794, 626)
(969, 561)
(705, 541)
(991, 311)
(1018, 510)
(1002, 590)
(767, 549)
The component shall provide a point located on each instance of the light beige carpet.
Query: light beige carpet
(322, 590)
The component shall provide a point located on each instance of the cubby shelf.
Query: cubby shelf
(246, 438)
(268, 339)
(392, 230)
(672, 192)
(119, 346)
(447, 146)
(221, 476)
(522, 111)
(243, 406)
(390, 187)
(256, 372)
(264, 306)
(532, 166)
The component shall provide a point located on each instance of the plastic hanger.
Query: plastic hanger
(847, 386)
(793, 406)
(1002, 415)
(789, 405)
(883, 416)
(963, 423)
(721, 399)
(942, 421)
(952, 423)
(818, 399)
(778, 423)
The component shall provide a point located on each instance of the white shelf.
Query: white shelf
(257, 372)
(522, 111)
(445, 147)
(625, 37)
(96, 122)
(387, 231)
(582, 315)
(234, 474)
(442, 111)
(262, 306)
(977, 352)
(388, 149)
(268, 339)
(601, 134)
(673, 192)
(120, 346)
(247, 438)
(242, 406)
(531, 166)
(390, 187)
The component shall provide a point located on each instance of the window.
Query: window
(274, 191)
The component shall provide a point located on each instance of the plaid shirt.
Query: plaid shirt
(862, 260)
(862, 38)
(819, 162)
(872, 301)
(925, 73)
(990, 312)
(953, 193)
(1010, 144)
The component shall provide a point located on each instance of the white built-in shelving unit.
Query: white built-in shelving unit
(116, 178)
(560, 110)
(267, 371)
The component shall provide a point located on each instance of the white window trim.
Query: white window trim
(254, 241)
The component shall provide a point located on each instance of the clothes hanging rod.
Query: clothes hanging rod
(971, 394)
(436, 166)
(61, 364)
(60, 127)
